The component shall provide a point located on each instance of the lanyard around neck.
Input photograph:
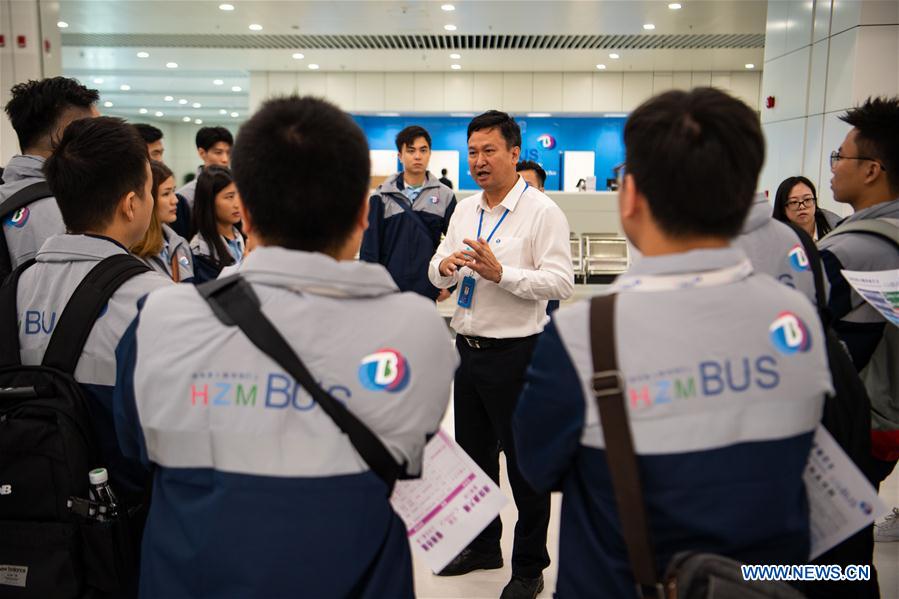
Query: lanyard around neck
(708, 278)
(501, 219)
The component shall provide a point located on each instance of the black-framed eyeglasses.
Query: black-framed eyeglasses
(620, 170)
(835, 157)
(800, 203)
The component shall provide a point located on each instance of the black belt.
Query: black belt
(491, 342)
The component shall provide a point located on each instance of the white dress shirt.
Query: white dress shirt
(531, 244)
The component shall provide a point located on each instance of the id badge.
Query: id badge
(466, 291)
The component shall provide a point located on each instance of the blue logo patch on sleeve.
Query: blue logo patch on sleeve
(18, 219)
(385, 370)
(789, 334)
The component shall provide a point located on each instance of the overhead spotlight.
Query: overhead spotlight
(143, 111)
(125, 87)
(108, 104)
(255, 27)
(182, 101)
(218, 82)
(171, 65)
(314, 67)
(235, 114)
(98, 80)
(186, 119)
(455, 67)
(614, 56)
(749, 65)
(449, 27)
(237, 88)
(198, 121)
(455, 56)
(169, 99)
(298, 56)
(197, 105)
(674, 6)
(143, 55)
(226, 7)
(601, 67)
(62, 24)
(159, 114)
(223, 111)
(649, 26)
(448, 8)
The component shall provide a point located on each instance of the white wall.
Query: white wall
(574, 93)
(822, 58)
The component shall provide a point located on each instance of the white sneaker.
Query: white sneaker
(888, 530)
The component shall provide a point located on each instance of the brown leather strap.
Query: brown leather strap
(608, 388)
(176, 269)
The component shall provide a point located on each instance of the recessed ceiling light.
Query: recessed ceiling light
(62, 24)
(235, 115)
(125, 87)
(223, 111)
(614, 56)
(538, 115)
(143, 111)
(449, 27)
(171, 65)
(226, 7)
(649, 26)
(455, 56)
(186, 119)
(388, 114)
(169, 99)
(197, 105)
(601, 67)
(674, 6)
(298, 56)
(455, 67)
(462, 114)
(98, 80)
(448, 7)
(314, 67)
(198, 121)
(749, 65)
(255, 27)
(236, 88)
(182, 101)
(159, 113)
(143, 55)
(218, 82)
(108, 104)
(615, 115)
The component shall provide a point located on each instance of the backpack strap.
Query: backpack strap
(886, 229)
(9, 318)
(234, 303)
(84, 307)
(408, 209)
(23, 197)
(608, 389)
(814, 259)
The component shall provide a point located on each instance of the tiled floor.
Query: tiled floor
(487, 584)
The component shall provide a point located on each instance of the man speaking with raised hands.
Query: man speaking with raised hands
(507, 249)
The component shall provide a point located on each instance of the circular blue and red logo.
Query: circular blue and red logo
(384, 370)
(19, 218)
(789, 334)
(546, 141)
(798, 260)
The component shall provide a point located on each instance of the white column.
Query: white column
(822, 57)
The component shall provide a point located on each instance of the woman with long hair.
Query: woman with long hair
(217, 240)
(797, 202)
(161, 248)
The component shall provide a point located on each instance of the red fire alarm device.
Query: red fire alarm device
(769, 102)
(21, 42)
(2, 41)
(47, 46)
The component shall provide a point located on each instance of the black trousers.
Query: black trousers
(487, 385)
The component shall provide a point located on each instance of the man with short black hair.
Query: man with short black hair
(865, 175)
(443, 178)
(407, 215)
(532, 172)
(100, 174)
(39, 112)
(723, 373)
(244, 457)
(214, 148)
(153, 136)
(507, 249)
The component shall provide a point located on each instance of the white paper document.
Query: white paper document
(841, 500)
(449, 505)
(878, 288)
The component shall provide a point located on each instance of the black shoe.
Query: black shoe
(522, 588)
(469, 560)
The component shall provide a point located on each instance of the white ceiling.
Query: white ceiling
(168, 27)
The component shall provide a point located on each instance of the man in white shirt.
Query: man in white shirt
(507, 249)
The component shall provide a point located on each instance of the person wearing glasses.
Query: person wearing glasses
(797, 202)
(865, 172)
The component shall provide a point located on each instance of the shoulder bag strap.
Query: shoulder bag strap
(407, 207)
(9, 318)
(883, 228)
(608, 388)
(234, 303)
(23, 197)
(84, 307)
(814, 260)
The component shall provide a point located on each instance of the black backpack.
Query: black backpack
(17, 201)
(47, 448)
